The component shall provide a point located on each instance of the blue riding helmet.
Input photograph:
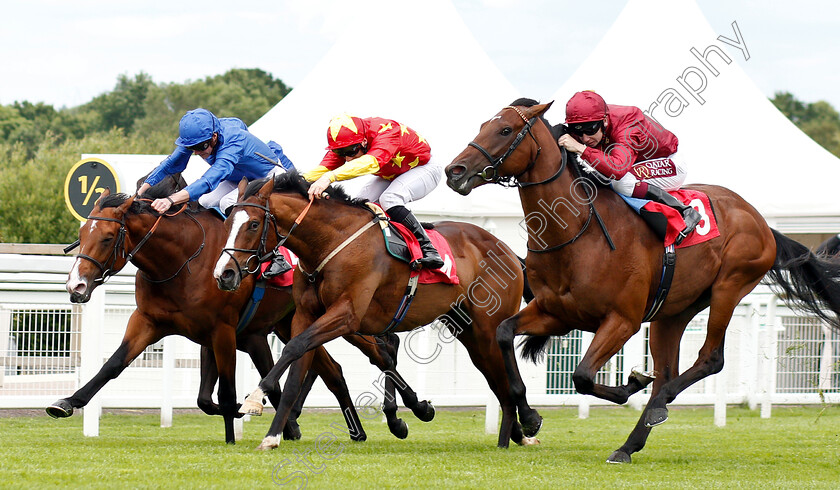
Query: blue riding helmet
(197, 125)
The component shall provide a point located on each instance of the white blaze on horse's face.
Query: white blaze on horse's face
(74, 280)
(239, 219)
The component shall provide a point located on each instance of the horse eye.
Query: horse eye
(506, 131)
(253, 225)
(108, 240)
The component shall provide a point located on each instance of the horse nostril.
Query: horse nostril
(227, 275)
(455, 170)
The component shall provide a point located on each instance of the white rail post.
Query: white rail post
(583, 403)
(749, 353)
(769, 358)
(634, 356)
(720, 398)
(93, 318)
(243, 368)
(168, 365)
(491, 414)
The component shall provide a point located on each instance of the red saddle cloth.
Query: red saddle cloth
(705, 230)
(284, 279)
(446, 274)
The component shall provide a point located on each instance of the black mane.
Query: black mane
(293, 182)
(162, 189)
(556, 131)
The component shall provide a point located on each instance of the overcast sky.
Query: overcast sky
(66, 52)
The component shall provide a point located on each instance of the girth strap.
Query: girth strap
(669, 262)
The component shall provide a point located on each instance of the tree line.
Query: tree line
(39, 143)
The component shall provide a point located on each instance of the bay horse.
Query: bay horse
(580, 282)
(346, 282)
(175, 294)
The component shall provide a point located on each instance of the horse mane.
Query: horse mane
(556, 131)
(293, 182)
(162, 189)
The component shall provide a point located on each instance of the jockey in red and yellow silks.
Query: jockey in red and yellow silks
(397, 155)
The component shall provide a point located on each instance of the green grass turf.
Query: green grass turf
(799, 447)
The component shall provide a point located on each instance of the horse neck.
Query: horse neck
(324, 227)
(558, 207)
(173, 242)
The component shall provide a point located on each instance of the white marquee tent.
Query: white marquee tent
(662, 56)
(421, 66)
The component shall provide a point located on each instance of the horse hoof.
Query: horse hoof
(618, 456)
(532, 429)
(253, 404)
(398, 428)
(268, 443)
(425, 411)
(60, 409)
(644, 378)
(529, 441)
(359, 437)
(292, 433)
(656, 416)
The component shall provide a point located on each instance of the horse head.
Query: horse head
(102, 246)
(247, 228)
(502, 150)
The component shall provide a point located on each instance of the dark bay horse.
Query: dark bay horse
(175, 294)
(346, 282)
(580, 283)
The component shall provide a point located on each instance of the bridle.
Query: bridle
(259, 254)
(490, 174)
(108, 269)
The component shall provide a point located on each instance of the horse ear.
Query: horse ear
(538, 109)
(266, 189)
(123, 208)
(105, 193)
(242, 185)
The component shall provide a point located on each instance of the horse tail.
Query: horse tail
(533, 347)
(527, 294)
(807, 281)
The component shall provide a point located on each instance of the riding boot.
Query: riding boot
(278, 265)
(689, 214)
(431, 258)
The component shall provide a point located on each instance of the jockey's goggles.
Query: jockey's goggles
(587, 128)
(201, 146)
(348, 151)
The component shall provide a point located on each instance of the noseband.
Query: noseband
(119, 251)
(490, 173)
(259, 254)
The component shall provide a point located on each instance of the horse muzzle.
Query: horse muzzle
(229, 280)
(460, 179)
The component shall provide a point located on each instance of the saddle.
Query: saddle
(666, 222)
(403, 245)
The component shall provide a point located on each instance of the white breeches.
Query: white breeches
(626, 184)
(405, 188)
(225, 195)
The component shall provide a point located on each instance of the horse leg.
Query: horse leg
(223, 341)
(724, 299)
(297, 373)
(208, 377)
(479, 340)
(664, 344)
(530, 320)
(292, 430)
(139, 334)
(384, 357)
(610, 336)
(329, 326)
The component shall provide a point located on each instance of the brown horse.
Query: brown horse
(175, 295)
(347, 283)
(579, 282)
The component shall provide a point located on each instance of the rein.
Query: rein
(119, 249)
(495, 178)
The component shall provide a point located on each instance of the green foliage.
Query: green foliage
(819, 120)
(39, 144)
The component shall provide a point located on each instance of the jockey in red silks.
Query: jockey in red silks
(629, 149)
(400, 159)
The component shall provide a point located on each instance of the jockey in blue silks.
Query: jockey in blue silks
(232, 153)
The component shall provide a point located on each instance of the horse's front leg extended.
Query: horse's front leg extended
(139, 334)
(338, 320)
